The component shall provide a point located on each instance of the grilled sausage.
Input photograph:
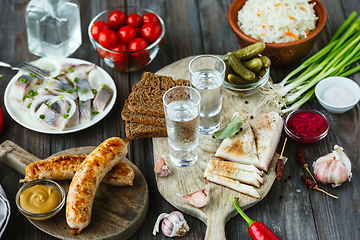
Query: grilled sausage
(87, 179)
(65, 167)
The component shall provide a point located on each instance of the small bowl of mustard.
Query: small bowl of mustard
(40, 199)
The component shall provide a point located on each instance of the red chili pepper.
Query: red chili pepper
(257, 230)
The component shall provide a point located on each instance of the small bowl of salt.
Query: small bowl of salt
(337, 94)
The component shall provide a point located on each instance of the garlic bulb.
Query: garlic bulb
(161, 168)
(333, 168)
(198, 199)
(173, 225)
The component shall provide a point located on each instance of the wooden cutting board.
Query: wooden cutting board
(117, 211)
(190, 179)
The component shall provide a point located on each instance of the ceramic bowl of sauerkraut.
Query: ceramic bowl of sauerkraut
(288, 27)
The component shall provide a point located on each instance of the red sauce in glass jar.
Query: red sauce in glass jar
(306, 124)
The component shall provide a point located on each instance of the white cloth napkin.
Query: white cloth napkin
(4, 211)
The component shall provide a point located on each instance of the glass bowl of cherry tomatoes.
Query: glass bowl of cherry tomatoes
(127, 38)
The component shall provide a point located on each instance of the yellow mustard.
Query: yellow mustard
(40, 199)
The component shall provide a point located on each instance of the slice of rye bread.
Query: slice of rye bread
(146, 97)
(139, 130)
(132, 116)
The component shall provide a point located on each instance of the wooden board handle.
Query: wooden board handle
(16, 157)
(215, 227)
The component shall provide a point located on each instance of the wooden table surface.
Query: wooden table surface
(193, 27)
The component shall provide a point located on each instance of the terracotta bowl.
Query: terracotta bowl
(279, 53)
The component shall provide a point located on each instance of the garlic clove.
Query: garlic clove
(173, 225)
(161, 167)
(333, 168)
(198, 199)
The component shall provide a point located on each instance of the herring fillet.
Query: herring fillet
(51, 118)
(102, 98)
(22, 87)
(232, 184)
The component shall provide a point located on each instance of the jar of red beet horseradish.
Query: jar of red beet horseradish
(306, 126)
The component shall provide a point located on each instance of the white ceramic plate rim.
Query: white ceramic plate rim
(22, 117)
(341, 82)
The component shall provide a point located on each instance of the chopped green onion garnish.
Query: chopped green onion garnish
(94, 91)
(69, 91)
(61, 89)
(75, 88)
(1, 75)
(31, 75)
(32, 93)
(28, 106)
(66, 116)
(56, 78)
(96, 113)
(68, 110)
(71, 70)
(103, 86)
(76, 79)
(41, 116)
(46, 89)
(49, 104)
(35, 94)
(82, 101)
(22, 80)
(49, 82)
(70, 83)
(26, 97)
(61, 96)
(84, 91)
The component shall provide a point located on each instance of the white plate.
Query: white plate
(25, 120)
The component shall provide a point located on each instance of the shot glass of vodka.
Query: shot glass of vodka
(207, 76)
(53, 27)
(181, 106)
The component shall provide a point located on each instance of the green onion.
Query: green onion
(335, 59)
(22, 80)
(56, 78)
(31, 75)
(36, 93)
(69, 91)
(82, 101)
(49, 104)
(103, 86)
(28, 106)
(71, 70)
(66, 116)
(26, 97)
(41, 116)
(96, 113)
(70, 83)
(32, 93)
(61, 96)
(76, 79)
(49, 82)
(84, 91)
(1, 75)
(61, 89)
(75, 88)
(94, 91)
(68, 110)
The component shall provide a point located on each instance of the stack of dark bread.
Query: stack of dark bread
(143, 111)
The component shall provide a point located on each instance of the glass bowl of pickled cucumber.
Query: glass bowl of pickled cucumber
(245, 76)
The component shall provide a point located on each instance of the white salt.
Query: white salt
(338, 96)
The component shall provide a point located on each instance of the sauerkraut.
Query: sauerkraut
(277, 21)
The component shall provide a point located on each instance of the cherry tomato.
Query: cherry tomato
(1, 120)
(97, 28)
(150, 17)
(136, 45)
(126, 34)
(134, 20)
(151, 31)
(120, 57)
(141, 60)
(116, 19)
(138, 34)
(108, 39)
